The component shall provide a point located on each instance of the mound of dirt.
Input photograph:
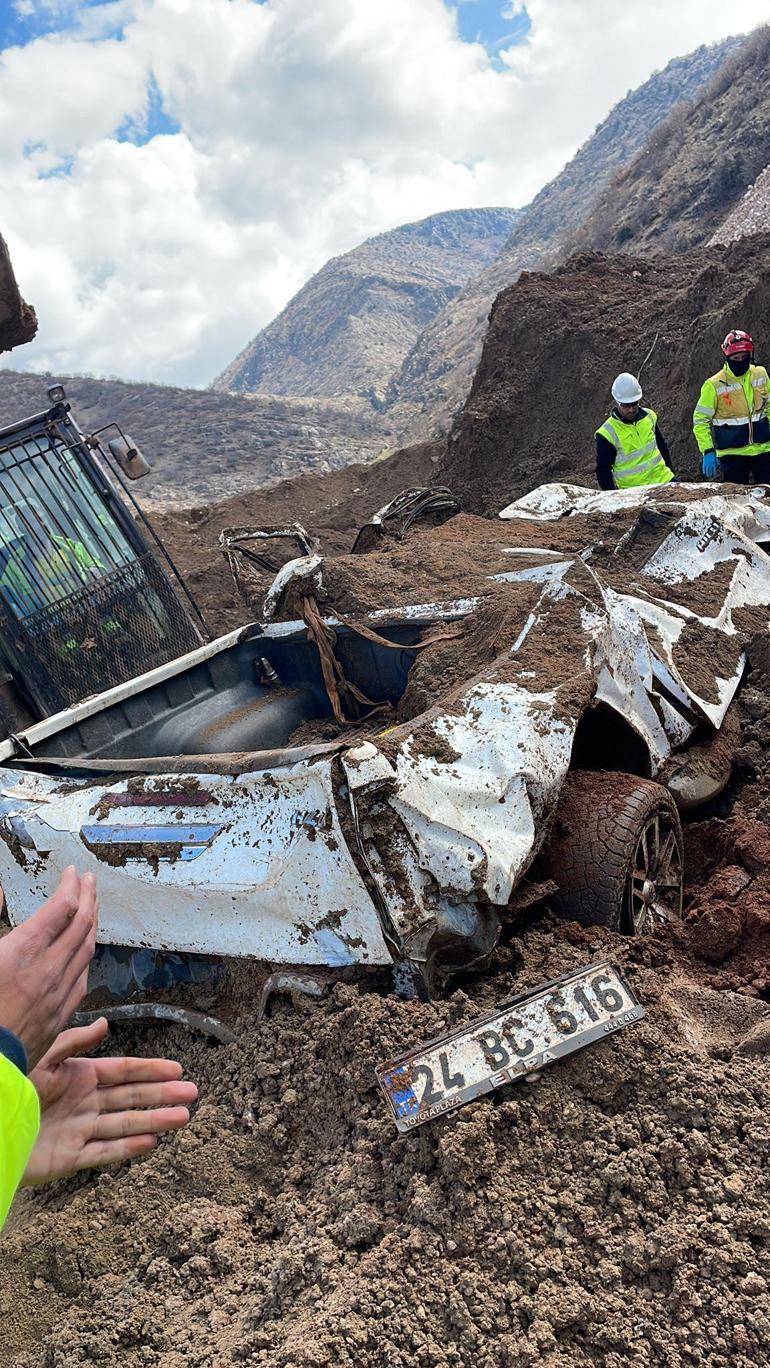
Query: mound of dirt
(555, 343)
(728, 854)
(613, 1212)
(331, 507)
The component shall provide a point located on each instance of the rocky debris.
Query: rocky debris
(532, 412)
(752, 215)
(349, 328)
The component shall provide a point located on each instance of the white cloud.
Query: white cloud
(303, 128)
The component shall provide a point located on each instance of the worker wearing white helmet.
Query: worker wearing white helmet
(630, 447)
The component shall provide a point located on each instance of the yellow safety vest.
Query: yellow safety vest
(731, 413)
(19, 1125)
(637, 458)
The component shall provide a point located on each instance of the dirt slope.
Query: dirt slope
(331, 507)
(531, 414)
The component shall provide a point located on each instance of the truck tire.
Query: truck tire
(616, 853)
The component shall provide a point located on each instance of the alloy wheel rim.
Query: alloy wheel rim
(655, 886)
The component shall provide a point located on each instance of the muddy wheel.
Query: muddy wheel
(616, 853)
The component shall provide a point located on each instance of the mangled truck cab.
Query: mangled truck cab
(409, 747)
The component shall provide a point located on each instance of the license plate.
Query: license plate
(519, 1038)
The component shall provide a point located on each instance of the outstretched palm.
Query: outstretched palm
(101, 1111)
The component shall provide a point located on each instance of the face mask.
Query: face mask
(739, 364)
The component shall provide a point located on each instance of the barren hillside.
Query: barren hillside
(436, 375)
(350, 327)
(696, 166)
(203, 445)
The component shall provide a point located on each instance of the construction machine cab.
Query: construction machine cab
(85, 603)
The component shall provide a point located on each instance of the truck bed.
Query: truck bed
(222, 699)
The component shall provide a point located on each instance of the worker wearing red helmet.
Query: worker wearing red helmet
(730, 421)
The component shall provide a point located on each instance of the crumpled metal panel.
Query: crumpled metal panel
(255, 865)
(746, 508)
(470, 822)
(444, 826)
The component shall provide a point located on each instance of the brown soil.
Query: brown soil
(728, 913)
(534, 406)
(331, 507)
(615, 1212)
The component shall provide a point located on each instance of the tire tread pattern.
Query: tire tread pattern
(597, 825)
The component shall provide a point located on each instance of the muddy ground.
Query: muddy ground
(331, 507)
(612, 1212)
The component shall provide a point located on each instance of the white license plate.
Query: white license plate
(520, 1038)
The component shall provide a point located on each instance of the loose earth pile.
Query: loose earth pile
(612, 1212)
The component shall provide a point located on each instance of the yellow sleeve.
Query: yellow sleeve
(19, 1125)
(705, 409)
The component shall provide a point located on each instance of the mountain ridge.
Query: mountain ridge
(350, 326)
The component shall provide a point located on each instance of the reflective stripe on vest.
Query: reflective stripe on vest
(732, 409)
(635, 465)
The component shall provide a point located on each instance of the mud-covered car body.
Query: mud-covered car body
(210, 834)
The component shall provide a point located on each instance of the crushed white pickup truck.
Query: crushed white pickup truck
(518, 730)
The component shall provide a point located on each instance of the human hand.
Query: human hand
(101, 1111)
(44, 963)
(709, 465)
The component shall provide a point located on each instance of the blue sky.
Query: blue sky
(23, 20)
(494, 23)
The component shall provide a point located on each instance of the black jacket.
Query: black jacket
(605, 453)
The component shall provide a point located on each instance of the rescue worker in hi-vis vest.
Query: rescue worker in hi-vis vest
(630, 447)
(730, 421)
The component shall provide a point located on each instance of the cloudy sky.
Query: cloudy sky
(174, 170)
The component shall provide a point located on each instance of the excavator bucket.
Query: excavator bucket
(18, 320)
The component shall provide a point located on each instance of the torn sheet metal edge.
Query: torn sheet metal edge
(551, 501)
(301, 569)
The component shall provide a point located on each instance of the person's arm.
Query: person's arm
(605, 460)
(19, 1126)
(663, 448)
(702, 418)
